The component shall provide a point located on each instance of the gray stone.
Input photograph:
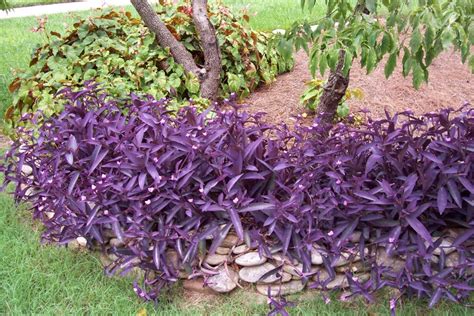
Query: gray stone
(445, 245)
(197, 285)
(342, 260)
(222, 251)
(230, 241)
(339, 282)
(26, 170)
(452, 261)
(355, 267)
(49, 215)
(291, 287)
(393, 262)
(240, 249)
(285, 277)
(254, 273)
(223, 282)
(316, 257)
(115, 242)
(295, 270)
(355, 237)
(215, 259)
(250, 259)
(278, 257)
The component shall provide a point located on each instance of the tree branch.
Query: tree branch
(165, 38)
(210, 47)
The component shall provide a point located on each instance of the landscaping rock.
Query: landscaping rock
(285, 277)
(222, 251)
(197, 285)
(49, 215)
(81, 241)
(254, 273)
(355, 237)
(355, 267)
(342, 260)
(223, 282)
(250, 259)
(240, 249)
(340, 282)
(452, 261)
(115, 242)
(393, 262)
(445, 245)
(295, 270)
(26, 170)
(230, 241)
(215, 259)
(291, 287)
(316, 257)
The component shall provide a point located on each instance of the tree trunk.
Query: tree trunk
(334, 91)
(210, 47)
(209, 76)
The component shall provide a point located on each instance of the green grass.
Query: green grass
(49, 280)
(17, 43)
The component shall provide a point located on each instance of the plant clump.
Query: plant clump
(118, 51)
(394, 195)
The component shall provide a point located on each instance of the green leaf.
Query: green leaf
(471, 63)
(429, 37)
(323, 64)
(418, 75)
(390, 65)
(371, 60)
(371, 5)
(415, 41)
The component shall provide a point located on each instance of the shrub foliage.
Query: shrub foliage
(117, 50)
(162, 181)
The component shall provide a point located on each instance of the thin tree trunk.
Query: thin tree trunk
(164, 36)
(210, 47)
(334, 91)
(209, 76)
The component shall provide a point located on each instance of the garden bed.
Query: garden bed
(281, 99)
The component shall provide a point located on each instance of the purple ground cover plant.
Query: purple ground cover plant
(183, 181)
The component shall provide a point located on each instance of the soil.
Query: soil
(450, 85)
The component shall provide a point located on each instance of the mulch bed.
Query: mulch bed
(450, 85)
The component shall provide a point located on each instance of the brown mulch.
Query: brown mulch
(450, 84)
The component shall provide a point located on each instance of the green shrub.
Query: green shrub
(118, 51)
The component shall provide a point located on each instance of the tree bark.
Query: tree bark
(334, 91)
(210, 47)
(164, 36)
(209, 76)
